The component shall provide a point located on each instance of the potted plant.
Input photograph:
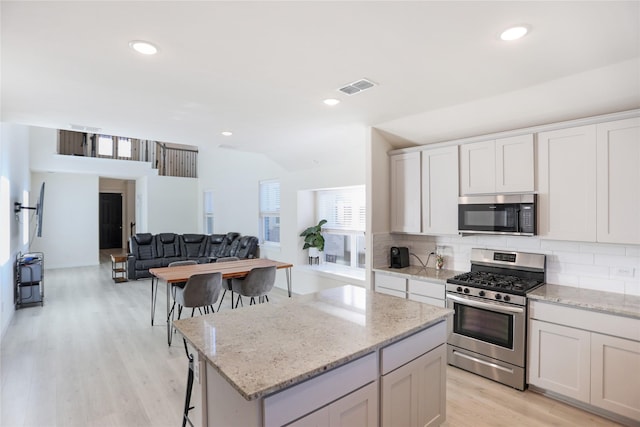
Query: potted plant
(314, 241)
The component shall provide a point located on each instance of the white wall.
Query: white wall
(234, 178)
(70, 229)
(14, 166)
(172, 205)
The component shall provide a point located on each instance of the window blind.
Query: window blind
(344, 209)
(269, 197)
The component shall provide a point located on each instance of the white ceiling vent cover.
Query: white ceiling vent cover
(357, 86)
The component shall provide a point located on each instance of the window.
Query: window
(208, 212)
(105, 146)
(270, 212)
(124, 147)
(345, 211)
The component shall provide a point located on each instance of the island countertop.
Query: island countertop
(262, 349)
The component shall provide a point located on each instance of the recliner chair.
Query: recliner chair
(143, 255)
(194, 247)
(245, 247)
(169, 248)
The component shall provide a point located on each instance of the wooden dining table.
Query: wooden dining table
(229, 270)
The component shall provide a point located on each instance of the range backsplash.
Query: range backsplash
(599, 266)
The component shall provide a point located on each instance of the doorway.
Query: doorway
(110, 220)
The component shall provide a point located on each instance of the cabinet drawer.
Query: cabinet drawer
(427, 289)
(391, 282)
(392, 292)
(301, 399)
(402, 352)
(609, 324)
(427, 300)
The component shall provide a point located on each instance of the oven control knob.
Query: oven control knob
(506, 298)
(466, 290)
(459, 289)
(498, 296)
(481, 293)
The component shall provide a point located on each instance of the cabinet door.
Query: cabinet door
(319, 418)
(432, 387)
(559, 359)
(618, 177)
(399, 398)
(414, 395)
(567, 184)
(440, 191)
(615, 375)
(405, 192)
(359, 408)
(478, 168)
(514, 164)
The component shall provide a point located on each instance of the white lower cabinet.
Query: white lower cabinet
(359, 408)
(390, 285)
(413, 381)
(587, 356)
(615, 375)
(560, 359)
(427, 292)
(412, 394)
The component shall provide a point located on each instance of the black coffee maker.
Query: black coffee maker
(399, 257)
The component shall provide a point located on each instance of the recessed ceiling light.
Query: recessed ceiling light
(514, 33)
(226, 133)
(143, 47)
(331, 101)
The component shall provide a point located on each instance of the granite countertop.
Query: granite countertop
(607, 302)
(419, 272)
(264, 348)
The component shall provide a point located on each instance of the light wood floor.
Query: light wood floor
(90, 357)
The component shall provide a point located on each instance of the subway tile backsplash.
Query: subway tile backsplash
(604, 267)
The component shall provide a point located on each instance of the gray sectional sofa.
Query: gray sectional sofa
(159, 250)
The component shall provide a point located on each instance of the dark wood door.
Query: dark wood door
(110, 220)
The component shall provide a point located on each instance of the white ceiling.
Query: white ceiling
(261, 69)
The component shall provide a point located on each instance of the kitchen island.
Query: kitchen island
(343, 356)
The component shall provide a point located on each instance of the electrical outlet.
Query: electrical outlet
(624, 272)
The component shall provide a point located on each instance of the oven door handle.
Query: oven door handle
(487, 306)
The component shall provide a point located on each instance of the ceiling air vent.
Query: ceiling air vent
(357, 86)
(81, 128)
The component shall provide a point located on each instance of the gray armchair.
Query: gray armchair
(258, 283)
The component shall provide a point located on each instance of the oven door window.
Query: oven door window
(484, 325)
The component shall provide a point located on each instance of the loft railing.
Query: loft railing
(170, 159)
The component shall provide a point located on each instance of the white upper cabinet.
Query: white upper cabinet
(618, 178)
(440, 191)
(567, 183)
(405, 192)
(589, 183)
(477, 168)
(503, 165)
(514, 164)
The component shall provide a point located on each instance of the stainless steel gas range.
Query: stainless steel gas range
(488, 334)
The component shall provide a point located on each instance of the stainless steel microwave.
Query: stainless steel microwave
(498, 214)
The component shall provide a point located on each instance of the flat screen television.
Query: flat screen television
(39, 211)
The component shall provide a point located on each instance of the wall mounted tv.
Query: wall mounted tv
(39, 210)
